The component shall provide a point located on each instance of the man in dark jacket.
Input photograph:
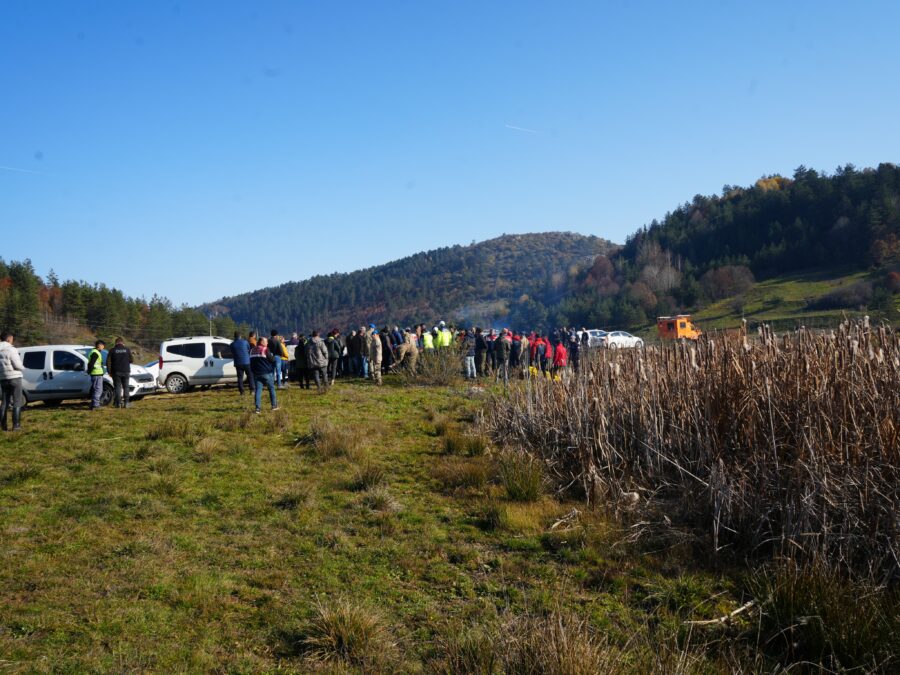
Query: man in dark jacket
(480, 350)
(240, 352)
(502, 349)
(317, 358)
(118, 364)
(335, 349)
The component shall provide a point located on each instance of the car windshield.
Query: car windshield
(86, 352)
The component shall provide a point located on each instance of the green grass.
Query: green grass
(167, 538)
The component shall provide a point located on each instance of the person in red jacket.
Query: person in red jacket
(560, 360)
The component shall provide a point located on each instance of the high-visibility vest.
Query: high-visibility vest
(446, 338)
(428, 340)
(98, 364)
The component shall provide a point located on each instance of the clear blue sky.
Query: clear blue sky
(199, 149)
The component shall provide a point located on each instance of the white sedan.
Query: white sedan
(619, 339)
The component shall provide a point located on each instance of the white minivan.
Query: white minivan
(55, 373)
(195, 361)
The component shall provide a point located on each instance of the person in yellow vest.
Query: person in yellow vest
(428, 341)
(95, 370)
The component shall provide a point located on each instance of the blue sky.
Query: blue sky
(200, 149)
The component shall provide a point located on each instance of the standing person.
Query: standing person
(409, 350)
(375, 353)
(275, 345)
(480, 350)
(317, 356)
(334, 355)
(301, 363)
(240, 352)
(575, 352)
(118, 363)
(262, 363)
(585, 338)
(295, 339)
(10, 383)
(502, 349)
(95, 370)
(560, 360)
(387, 350)
(525, 356)
(427, 341)
(251, 338)
(353, 364)
(471, 371)
(515, 352)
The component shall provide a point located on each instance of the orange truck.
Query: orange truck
(678, 327)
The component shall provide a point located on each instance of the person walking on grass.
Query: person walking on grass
(262, 364)
(317, 358)
(95, 370)
(10, 383)
(301, 363)
(560, 361)
(335, 350)
(240, 352)
(278, 350)
(118, 363)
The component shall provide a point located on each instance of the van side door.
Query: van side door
(69, 374)
(36, 376)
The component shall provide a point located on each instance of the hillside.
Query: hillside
(801, 248)
(475, 283)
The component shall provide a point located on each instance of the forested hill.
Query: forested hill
(476, 283)
(842, 230)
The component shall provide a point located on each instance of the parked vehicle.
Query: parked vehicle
(56, 373)
(679, 327)
(595, 337)
(619, 339)
(195, 361)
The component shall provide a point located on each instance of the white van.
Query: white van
(55, 373)
(195, 361)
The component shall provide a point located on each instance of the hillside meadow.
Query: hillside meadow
(366, 530)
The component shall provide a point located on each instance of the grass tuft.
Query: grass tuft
(521, 475)
(379, 498)
(206, 448)
(494, 515)
(293, 498)
(367, 476)
(174, 430)
(455, 473)
(456, 443)
(331, 441)
(343, 633)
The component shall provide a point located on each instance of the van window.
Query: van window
(194, 350)
(682, 325)
(66, 361)
(34, 360)
(222, 350)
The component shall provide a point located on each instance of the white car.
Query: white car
(195, 361)
(619, 339)
(595, 337)
(55, 373)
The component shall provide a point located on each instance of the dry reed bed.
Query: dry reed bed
(785, 444)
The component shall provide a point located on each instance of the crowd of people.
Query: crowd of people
(269, 363)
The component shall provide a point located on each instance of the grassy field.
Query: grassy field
(783, 299)
(186, 534)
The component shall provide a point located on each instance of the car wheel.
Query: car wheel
(613, 345)
(107, 396)
(176, 384)
(639, 344)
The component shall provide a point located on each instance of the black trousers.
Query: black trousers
(241, 372)
(120, 382)
(333, 368)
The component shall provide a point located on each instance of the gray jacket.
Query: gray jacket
(317, 353)
(10, 362)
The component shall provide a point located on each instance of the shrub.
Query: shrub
(342, 633)
(851, 296)
(440, 367)
(522, 475)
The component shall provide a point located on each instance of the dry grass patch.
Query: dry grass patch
(331, 440)
(235, 422)
(454, 473)
(532, 517)
(380, 499)
(342, 633)
(367, 476)
(293, 497)
(207, 448)
(175, 430)
(457, 443)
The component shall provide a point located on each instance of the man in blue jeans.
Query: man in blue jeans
(262, 364)
(275, 349)
(240, 352)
